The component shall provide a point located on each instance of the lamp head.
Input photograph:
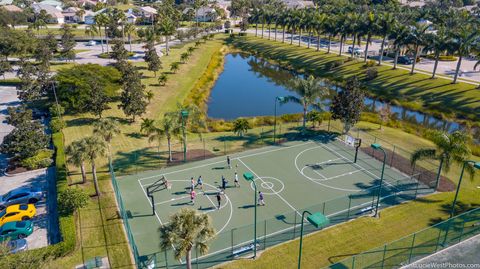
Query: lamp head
(184, 113)
(376, 146)
(248, 176)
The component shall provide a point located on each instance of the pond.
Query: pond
(248, 85)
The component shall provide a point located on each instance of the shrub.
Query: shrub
(334, 64)
(371, 73)
(71, 199)
(242, 34)
(370, 63)
(56, 110)
(291, 117)
(443, 58)
(57, 124)
(42, 159)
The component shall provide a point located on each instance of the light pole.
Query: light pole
(249, 177)
(184, 115)
(476, 165)
(376, 146)
(280, 99)
(318, 220)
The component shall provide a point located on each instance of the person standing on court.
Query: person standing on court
(224, 183)
(228, 163)
(260, 198)
(200, 184)
(193, 194)
(219, 199)
(237, 184)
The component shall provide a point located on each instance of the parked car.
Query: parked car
(16, 230)
(91, 43)
(18, 245)
(21, 196)
(17, 213)
(404, 60)
(357, 50)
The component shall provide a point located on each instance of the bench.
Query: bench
(243, 250)
(94, 263)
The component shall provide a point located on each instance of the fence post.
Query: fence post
(383, 259)
(393, 154)
(232, 238)
(196, 256)
(166, 259)
(323, 209)
(461, 232)
(358, 133)
(438, 239)
(224, 146)
(349, 205)
(265, 236)
(416, 190)
(328, 130)
(353, 262)
(294, 225)
(204, 149)
(411, 249)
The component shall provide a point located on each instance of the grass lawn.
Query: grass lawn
(101, 230)
(341, 241)
(417, 91)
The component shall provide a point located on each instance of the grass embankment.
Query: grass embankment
(341, 241)
(418, 92)
(101, 232)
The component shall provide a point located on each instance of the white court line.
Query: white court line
(291, 228)
(223, 161)
(320, 174)
(354, 164)
(173, 199)
(344, 174)
(283, 199)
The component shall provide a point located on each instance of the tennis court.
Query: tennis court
(318, 175)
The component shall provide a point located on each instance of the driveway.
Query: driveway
(8, 97)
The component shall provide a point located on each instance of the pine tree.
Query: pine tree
(151, 57)
(98, 100)
(67, 43)
(119, 53)
(133, 97)
(348, 104)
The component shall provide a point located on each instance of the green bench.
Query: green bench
(94, 263)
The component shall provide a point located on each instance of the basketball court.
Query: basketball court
(318, 175)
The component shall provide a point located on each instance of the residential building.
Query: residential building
(53, 3)
(12, 8)
(6, 2)
(55, 13)
(298, 4)
(71, 15)
(90, 16)
(204, 14)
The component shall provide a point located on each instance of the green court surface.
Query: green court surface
(318, 175)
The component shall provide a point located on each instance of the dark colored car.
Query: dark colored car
(404, 60)
(21, 196)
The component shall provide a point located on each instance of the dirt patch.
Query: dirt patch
(12, 170)
(192, 155)
(403, 165)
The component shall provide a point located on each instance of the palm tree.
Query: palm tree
(449, 148)
(78, 156)
(162, 79)
(241, 126)
(190, 50)
(400, 33)
(300, 17)
(255, 18)
(417, 38)
(186, 230)
(130, 30)
(310, 92)
(149, 96)
(464, 40)
(319, 26)
(174, 67)
(147, 126)
(369, 28)
(354, 28)
(107, 129)
(342, 29)
(95, 147)
(167, 28)
(385, 24)
(439, 42)
(184, 57)
(169, 128)
(330, 26)
(91, 30)
(102, 21)
(284, 21)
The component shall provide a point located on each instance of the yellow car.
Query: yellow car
(17, 213)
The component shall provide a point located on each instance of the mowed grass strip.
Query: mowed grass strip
(342, 241)
(418, 91)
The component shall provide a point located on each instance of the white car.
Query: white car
(91, 43)
(18, 245)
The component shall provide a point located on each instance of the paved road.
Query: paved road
(8, 97)
(446, 69)
(462, 255)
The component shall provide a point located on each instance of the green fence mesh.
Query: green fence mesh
(285, 227)
(418, 245)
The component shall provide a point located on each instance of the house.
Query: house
(90, 16)
(52, 3)
(12, 8)
(131, 18)
(87, 4)
(225, 5)
(204, 14)
(71, 15)
(298, 4)
(56, 15)
(6, 2)
(147, 13)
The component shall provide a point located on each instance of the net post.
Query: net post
(265, 235)
(393, 155)
(349, 205)
(411, 248)
(294, 225)
(383, 258)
